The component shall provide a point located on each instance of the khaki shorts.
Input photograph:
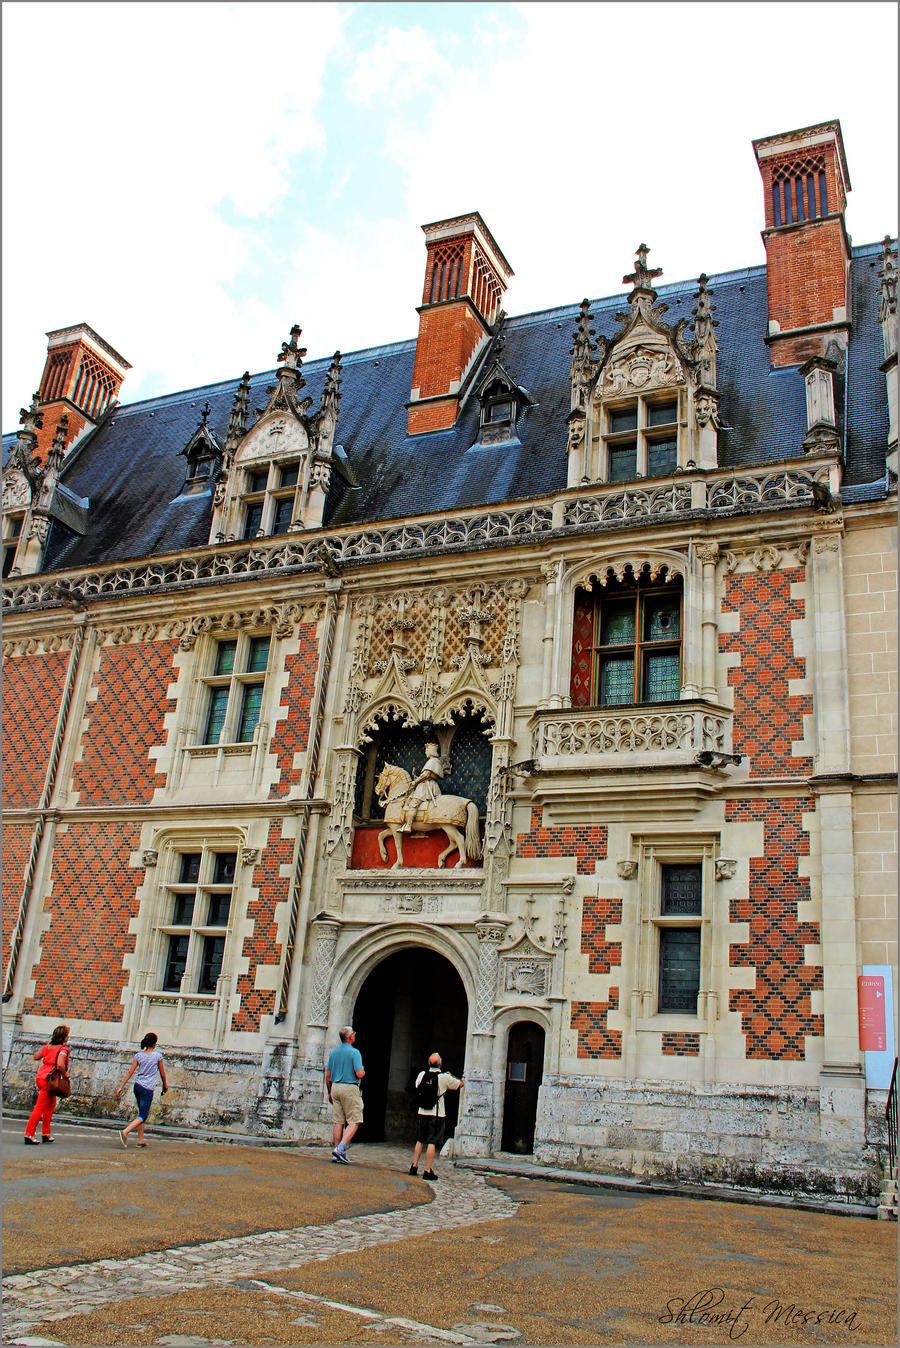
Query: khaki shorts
(346, 1102)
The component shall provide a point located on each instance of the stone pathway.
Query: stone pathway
(462, 1198)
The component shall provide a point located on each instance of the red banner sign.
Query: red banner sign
(872, 1019)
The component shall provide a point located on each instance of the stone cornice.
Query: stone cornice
(691, 496)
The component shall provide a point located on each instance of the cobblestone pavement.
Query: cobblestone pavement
(461, 1199)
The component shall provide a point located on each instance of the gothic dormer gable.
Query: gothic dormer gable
(644, 403)
(276, 474)
(500, 399)
(203, 453)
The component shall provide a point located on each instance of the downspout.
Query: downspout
(46, 796)
(317, 721)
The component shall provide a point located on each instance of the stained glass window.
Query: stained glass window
(636, 644)
(616, 681)
(681, 890)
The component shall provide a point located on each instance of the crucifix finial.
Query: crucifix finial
(642, 276)
(291, 353)
(204, 415)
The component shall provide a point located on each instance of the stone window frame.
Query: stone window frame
(644, 434)
(154, 930)
(199, 932)
(652, 852)
(639, 589)
(270, 496)
(238, 678)
(12, 539)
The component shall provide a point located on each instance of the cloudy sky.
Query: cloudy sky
(191, 179)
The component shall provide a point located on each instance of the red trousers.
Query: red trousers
(43, 1110)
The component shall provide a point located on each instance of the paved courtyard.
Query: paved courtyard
(202, 1242)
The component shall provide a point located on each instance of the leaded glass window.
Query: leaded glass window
(679, 969)
(198, 901)
(235, 689)
(635, 645)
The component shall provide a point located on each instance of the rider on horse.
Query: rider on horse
(424, 788)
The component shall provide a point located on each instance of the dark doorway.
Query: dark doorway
(411, 1005)
(524, 1072)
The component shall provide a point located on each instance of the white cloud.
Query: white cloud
(123, 147)
(192, 179)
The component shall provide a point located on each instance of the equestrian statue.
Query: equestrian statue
(419, 806)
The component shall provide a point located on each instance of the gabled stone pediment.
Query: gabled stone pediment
(278, 432)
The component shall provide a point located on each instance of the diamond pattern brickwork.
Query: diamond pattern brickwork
(776, 1014)
(586, 842)
(767, 719)
(292, 733)
(16, 850)
(124, 723)
(680, 1045)
(262, 947)
(32, 689)
(596, 913)
(594, 1039)
(92, 900)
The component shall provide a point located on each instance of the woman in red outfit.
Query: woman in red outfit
(54, 1054)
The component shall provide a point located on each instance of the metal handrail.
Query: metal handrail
(890, 1114)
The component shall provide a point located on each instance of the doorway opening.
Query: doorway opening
(411, 1005)
(524, 1073)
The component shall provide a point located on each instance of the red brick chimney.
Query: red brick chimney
(465, 280)
(805, 181)
(82, 376)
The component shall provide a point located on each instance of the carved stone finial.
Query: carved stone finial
(643, 276)
(703, 313)
(331, 394)
(57, 450)
(237, 423)
(32, 418)
(292, 355)
(888, 278)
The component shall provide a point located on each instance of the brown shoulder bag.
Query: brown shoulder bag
(57, 1081)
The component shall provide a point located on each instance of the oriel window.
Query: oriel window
(627, 644)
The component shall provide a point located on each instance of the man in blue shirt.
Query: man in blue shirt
(343, 1073)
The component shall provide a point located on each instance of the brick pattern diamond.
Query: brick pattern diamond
(586, 842)
(582, 648)
(767, 721)
(92, 900)
(16, 850)
(595, 914)
(594, 1039)
(776, 1014)
(262, 947)
(292, 734)
(125, 723)
(32, 689)
(680, 1045)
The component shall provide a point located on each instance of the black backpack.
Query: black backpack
(426, 1092)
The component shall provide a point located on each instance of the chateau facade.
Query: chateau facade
(630, 566)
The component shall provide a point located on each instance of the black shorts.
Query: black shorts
(430, 1130)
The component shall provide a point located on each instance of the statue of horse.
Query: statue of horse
(457, 816)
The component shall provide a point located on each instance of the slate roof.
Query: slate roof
(132, 469)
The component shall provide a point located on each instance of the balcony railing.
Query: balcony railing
(670, 732)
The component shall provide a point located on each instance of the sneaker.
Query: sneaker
(429, 1174)
(31, 1142)
(46, 1139)
(122, 1139)
(414, 1170)
(339, 1156)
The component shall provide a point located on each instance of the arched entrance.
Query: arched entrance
(412, 1004)
(524, 1073)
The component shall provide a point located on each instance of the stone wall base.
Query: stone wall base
(768, 1139)
(765, 1138)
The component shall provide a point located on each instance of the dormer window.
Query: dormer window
(640, 439)
(12, 531)
(268, 497)
(500, 405)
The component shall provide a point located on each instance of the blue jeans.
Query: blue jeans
(144, 1101)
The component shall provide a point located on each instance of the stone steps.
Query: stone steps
(887, 1207)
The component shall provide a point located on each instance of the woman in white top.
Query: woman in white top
(146, 1063)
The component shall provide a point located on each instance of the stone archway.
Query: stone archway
(411, 1004)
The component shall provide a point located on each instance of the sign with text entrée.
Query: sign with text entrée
(876, 1023)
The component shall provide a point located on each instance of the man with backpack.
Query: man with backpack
(431, 1121)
